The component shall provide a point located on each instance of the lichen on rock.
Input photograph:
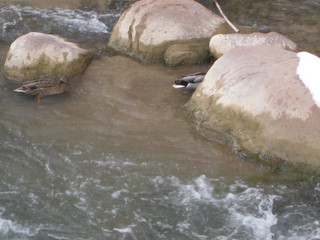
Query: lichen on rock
(254, 96)
(148, 28)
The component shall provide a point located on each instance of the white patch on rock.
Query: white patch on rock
(308, 71)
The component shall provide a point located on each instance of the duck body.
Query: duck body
(190, 81)
(43, 87)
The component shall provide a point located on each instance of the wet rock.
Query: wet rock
(222, 43)
(38, 55)
(178, 54)
(254, 97)
(148, 28)
(101, 5)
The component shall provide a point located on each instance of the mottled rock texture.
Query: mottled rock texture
(149, 27)
(253, 96)
(36, 55)
(220, 44)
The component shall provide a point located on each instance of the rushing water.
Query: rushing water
(117, 157)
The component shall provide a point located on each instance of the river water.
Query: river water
(118, 157)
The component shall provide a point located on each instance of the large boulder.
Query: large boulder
(254, 96)
(37, 55)
(149, 27)
(179, 54)
(220, 44)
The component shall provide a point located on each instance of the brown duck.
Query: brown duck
(43, 87)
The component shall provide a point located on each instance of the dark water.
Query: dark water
(117, 157)
(297, 19)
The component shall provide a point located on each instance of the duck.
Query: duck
(190, 81)
(43, 87)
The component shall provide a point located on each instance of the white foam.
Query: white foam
(308, 71)
(261, 221)
(183, 226)
(158, 180)
(247, 209)
(201, 189)
(123, 230)
(86, 22)
(7, 226)
(117, 194)
(72, 21)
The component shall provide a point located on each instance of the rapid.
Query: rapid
(118, 157)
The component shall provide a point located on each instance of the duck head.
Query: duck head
(63, 80)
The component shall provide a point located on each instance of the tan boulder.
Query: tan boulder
(220, 44)
(178, 54)
(148, 28)
(37, 55)
(253, 96)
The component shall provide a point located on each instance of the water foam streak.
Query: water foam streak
(239, 209)
(16, 21)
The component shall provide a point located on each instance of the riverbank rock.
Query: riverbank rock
(178, 54)
(253, 96)
(220, 44)
(148, 28)
(37, 55)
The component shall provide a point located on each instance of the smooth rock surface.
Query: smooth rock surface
(149, 27)
(37, 55)
(220, 44)
(253, 96)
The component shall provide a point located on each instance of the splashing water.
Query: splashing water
(239, 210)
(16, 21)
